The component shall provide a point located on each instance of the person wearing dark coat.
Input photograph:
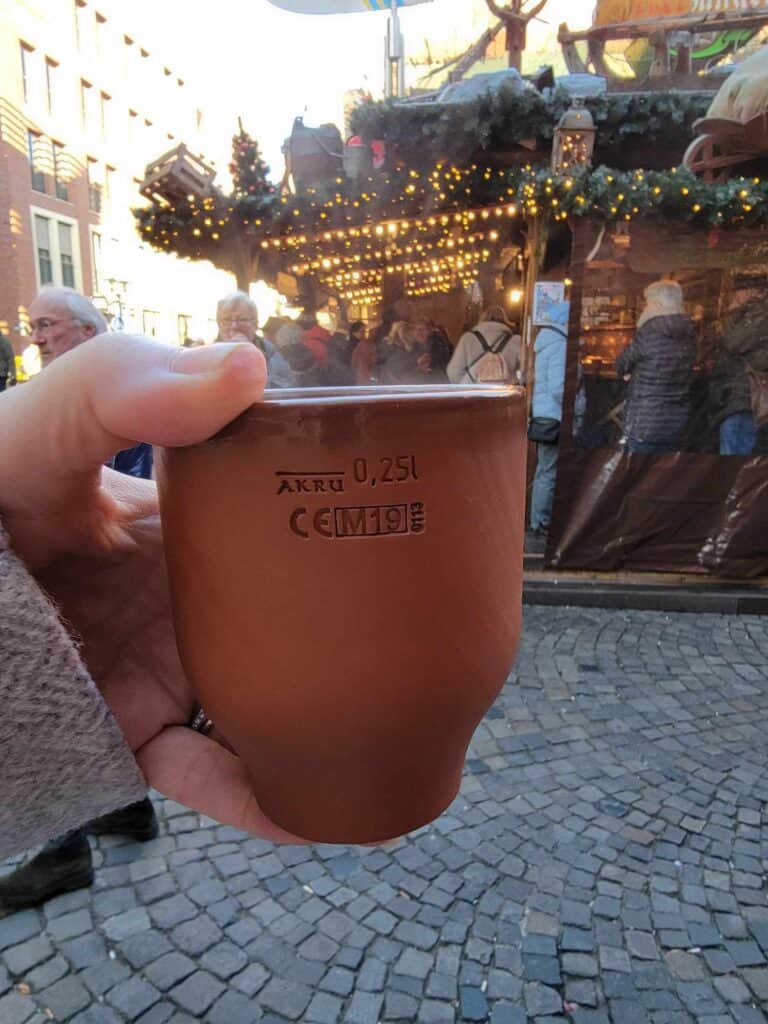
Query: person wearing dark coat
(435, 348)
(744, 345)
(659, 362)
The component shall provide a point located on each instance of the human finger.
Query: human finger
(112, 391)
(199, 773)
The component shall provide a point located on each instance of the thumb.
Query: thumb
(112, 391)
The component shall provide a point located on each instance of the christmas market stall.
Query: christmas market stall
(452, 203)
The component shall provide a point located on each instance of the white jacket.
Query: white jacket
(469, 349)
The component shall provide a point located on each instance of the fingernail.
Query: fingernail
(210, 358)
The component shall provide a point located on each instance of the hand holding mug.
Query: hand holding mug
(92, 537)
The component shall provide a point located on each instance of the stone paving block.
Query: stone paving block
(339, 981)
(133, 997)
(685, 966)
(16, 1008)
(414, 963)
(541, 1000)
(472, 1003)
(432, 1011)
(232, 1008)
(324, 1009)
(224, 960)
(614, 959)
(64, 998)
(26, 955)
(251, 980)
(745, 953)
(126, 924)
(732, 989)
(18, 927)
(287, 998)
(194, 937)
(68, 926)
(364, 1008)
(197, 992)
(169, 970)
(139, 950)
(579, 965)
(747, 1015)
(102, 976)
(98, 1014)
(581, 991)
(44, 975)
(545, 969)
(577, 941)
(399, 1006)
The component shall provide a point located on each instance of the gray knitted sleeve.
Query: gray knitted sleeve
(63, 758)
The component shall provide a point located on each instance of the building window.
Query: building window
(56, 248)
(109, 184)
(150, 322)
(51, 83)
(104, 109)
(96, 258)
(25, 53)
(101, 33)
(183, 322)
(61, 186)
(94, 186)
(43, 247)
(36, 174)
(85, 101)
(66, 255)
(81, 33)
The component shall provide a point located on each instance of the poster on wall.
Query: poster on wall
(546, 296)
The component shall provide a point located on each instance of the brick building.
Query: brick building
(85, 104)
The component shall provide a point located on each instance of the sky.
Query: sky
(269, 66)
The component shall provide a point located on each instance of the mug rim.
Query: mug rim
(351, 393)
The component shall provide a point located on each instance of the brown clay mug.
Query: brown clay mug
(346, 577)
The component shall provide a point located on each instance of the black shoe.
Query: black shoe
(61, 866)
(137, 821)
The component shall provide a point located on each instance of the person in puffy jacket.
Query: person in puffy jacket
(744, 346)
(659, 362)
(547, 402)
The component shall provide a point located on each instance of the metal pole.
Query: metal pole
(395, 67)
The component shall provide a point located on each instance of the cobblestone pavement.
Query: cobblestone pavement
(604, 863)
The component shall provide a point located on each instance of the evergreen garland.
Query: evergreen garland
(499, 121)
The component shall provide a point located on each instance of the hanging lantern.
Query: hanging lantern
(574, 138)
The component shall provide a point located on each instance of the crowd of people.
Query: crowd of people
(131, 387)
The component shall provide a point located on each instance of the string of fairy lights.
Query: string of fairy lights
(436, 227)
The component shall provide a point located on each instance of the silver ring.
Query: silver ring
(200, 721)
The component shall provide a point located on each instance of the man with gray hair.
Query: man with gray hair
(61, 319)
(237, 317)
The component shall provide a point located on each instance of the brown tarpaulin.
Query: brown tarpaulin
(680, 511)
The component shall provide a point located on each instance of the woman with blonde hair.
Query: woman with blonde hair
(659, 364)
(400, 364)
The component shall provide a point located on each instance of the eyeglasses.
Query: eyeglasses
(236, 320)
(45, 323)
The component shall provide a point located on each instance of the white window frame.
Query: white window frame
(56, 219)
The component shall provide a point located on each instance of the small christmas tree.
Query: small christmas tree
(248, 170)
